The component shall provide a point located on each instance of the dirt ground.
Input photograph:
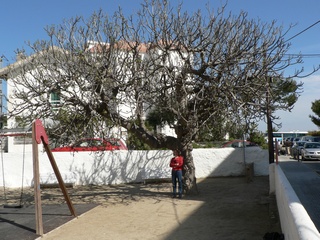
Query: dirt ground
(226, 208)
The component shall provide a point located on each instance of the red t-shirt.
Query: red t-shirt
(176, 163)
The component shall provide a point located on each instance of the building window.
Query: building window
(55, 100)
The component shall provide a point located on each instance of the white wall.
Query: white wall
(295, 221)
(126, 166)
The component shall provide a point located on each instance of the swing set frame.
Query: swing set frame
(39, 136)
(6, 205)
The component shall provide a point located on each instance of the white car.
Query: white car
(310, 151)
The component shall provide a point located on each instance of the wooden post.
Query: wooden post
(36, 179)
(39, 135)
(59, 178)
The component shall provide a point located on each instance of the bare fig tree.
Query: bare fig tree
(109, 71)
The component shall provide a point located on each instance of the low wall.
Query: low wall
(116, 167)
(295, 221)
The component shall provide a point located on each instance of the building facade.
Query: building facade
(126, 107)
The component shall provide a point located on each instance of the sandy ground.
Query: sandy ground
(226, 208)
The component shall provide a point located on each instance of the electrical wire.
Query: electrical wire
(303, 30)
(307, 55)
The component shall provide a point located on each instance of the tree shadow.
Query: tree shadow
(229, 208)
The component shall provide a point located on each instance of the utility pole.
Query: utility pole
(269, 122)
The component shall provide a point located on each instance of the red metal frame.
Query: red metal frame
(40, 133)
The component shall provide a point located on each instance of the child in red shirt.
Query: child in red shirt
(176, 164)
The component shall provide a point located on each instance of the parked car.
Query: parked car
(296, 149)
(238, 143)
(310, 151)
(296, 139)
(310, 138)
(93, 144)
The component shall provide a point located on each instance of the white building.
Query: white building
(126, 108)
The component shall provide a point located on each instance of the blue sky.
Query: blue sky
(23, 21)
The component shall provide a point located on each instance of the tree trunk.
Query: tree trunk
(270, 139)
(269, 123)
(189, 174)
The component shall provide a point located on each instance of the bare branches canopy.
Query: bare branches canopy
(196, 68)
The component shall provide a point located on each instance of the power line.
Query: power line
(306, 55)
(303, 30)
(311, 55)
